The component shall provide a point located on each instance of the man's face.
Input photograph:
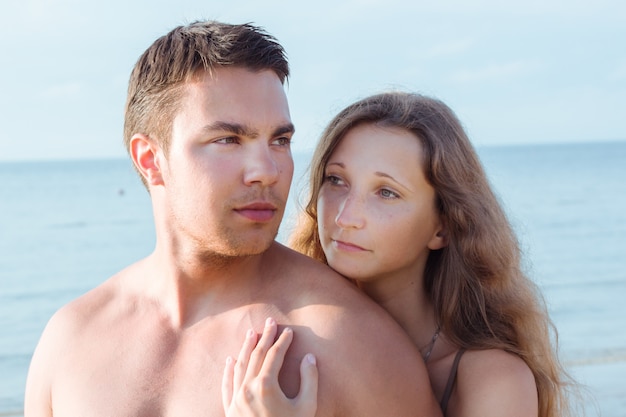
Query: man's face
(229, 167)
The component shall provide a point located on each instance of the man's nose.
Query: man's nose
(261, 166)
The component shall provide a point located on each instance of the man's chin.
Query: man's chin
(257, 247)
(253, 245)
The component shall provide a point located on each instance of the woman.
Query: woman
(400, 204)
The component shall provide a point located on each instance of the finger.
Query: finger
(260, 351)
(307, 396)
(227, 383)
(241, 367)
(276, 355)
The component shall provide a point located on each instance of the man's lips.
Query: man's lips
(258, 212)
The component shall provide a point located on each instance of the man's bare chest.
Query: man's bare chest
(149, 371)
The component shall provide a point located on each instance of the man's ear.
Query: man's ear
(439, 240)
(145, 155)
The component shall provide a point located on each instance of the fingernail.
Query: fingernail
(229, 360)
(311, 359)
(287, 330)
(270, 321)
(250, 333)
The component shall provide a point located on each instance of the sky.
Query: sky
(522, 72)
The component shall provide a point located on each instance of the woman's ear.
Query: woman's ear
(145, 155)
(439, 239)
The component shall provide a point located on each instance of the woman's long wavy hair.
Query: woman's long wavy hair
(482, 297)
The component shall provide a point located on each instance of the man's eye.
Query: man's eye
(282, 141)
(228, 140)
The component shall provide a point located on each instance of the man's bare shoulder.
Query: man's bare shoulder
(68, 321)
(97, 305)
(325, 297)
(61, 340)
(360, 348)
(306, 273)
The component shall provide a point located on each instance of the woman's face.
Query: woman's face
(376, 211)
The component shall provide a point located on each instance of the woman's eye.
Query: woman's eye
(333, 179)
(385, 193)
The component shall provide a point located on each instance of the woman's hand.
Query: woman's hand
(250, 385)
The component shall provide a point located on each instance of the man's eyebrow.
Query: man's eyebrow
(236, 128)
(289, 128)
(243, 130)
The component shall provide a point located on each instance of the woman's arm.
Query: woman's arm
(250, 384)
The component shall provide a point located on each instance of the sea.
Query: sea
(66, 226)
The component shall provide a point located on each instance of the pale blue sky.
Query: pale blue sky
(532, 71)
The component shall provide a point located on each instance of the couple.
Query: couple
(435, 308)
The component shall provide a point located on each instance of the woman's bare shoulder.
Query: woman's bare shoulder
(493, 382)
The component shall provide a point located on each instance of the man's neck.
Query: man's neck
(189, 288)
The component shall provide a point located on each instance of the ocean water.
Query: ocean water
(67, 226)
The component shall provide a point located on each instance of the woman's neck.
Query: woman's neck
(410, 307)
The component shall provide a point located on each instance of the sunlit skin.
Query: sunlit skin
(230, 167)
(376, 211)
(153, 339)
(378, 223)
(152, 336)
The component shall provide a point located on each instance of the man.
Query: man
(208, 128)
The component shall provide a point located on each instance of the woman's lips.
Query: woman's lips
(347, 246)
